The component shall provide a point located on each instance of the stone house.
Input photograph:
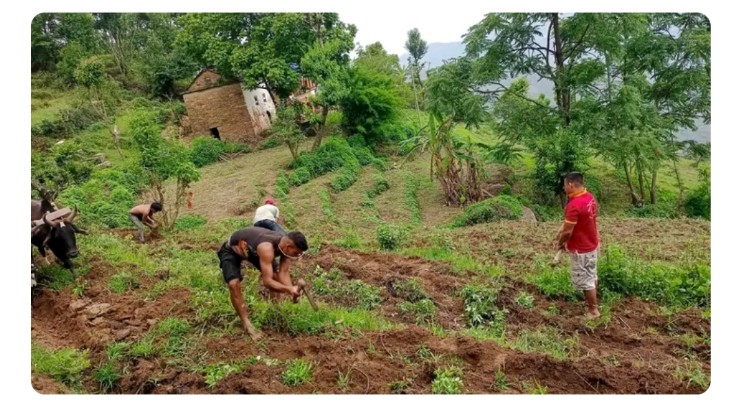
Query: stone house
(226, 110)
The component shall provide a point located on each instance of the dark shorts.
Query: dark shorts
(270, 225)
(229, 262)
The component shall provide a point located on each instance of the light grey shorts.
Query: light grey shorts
(584, 270)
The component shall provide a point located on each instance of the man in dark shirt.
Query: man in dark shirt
(260, 247)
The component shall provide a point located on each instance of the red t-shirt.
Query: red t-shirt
(581, 210)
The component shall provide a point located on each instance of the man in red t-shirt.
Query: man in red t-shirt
(580, 237)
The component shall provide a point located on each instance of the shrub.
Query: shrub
(345, 179)
(391, 237)
(699, 201)
(480, 305)
(502, 207)
(206, 150)
(299, 176)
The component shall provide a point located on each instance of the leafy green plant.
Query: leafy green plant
(524, 299)
(391, 237)
(297, 372)
(480, 305)
(447, 381)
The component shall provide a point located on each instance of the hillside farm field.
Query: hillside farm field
(156, 318)
(430, 196)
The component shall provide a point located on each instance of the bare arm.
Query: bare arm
(564, 234)
(265, 252)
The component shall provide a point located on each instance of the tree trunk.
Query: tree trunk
(627, 174)
(321, 129)
(680, 184)
(562, 93)
(641, 183)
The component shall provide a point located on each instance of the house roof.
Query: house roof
(207, 69)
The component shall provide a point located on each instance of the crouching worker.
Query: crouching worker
(267, 216)
(260, 247)
(142, 214)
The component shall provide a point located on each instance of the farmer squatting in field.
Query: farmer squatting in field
(260, 247)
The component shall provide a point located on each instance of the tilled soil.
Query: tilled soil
(637, 352)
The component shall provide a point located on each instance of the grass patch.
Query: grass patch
(412, 184)
(189, 222)
(297, 372)
(499, 381)
(692, 372)
(424, 311)
(400, 386)
(123, 281)
(545, 340)
(534, 387)
(217, 372)
(295, 319)
(65, 365)
(354, 293)
(461, 264)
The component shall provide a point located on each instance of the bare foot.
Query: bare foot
(255, 335)
(593, 314)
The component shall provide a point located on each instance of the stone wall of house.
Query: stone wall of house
(205, 80)
(222, 108)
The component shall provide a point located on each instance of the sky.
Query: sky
(436, 24)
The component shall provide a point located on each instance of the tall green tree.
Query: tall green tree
(327, 62)
(257, 48)
(417, 48)
(163, 159)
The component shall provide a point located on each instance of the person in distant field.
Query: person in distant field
(142, 214)
(267, 216)
(260, 247)
(579, 236)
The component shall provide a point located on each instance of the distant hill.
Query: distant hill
(440, 52)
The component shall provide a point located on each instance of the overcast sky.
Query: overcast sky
(436, 24)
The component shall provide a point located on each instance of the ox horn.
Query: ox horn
(46, 220)
(73, 215)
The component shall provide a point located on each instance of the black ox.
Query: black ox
(56, 234)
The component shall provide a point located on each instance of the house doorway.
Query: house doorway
(215, 133)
